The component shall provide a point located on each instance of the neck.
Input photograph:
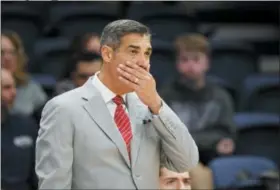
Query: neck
(111, 83)
(194, 84)
(200, 83)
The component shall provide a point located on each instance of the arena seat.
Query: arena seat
(240, 172)
(76, 18)
(232, 61)
(50, 55)
(23, 20)
(165, 21)
(260, 93)
(258, 134)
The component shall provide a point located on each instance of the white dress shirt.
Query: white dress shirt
(107, 96)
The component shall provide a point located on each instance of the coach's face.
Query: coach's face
(135, 48)
(174, 180)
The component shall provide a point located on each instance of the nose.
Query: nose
(143, 61)
(180, 185)
(13, 92)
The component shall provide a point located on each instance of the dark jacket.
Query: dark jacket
(208, 112)
(18, 139)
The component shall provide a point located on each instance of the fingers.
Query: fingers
(129, 76)
(131, 71)
(140, 70)
(129, 83)
(134, 76)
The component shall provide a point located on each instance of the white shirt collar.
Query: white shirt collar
(106, 93)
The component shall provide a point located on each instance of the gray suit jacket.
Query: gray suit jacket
(79, 146)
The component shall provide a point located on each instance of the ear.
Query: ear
(207, 66)
(106, 53)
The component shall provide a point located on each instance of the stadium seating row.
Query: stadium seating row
(74, 18)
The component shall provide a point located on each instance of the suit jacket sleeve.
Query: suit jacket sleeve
(178, 149)
(54, 151)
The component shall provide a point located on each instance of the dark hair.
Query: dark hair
(81, 56)
(193, 42)
(79, 42)
(114, 31)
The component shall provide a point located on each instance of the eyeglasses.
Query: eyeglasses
(8, 52)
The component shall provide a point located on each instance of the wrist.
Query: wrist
(155, 107)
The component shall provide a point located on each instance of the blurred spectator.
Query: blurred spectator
(205, 108)
(87, 42)
(30, 95)
(174, 180)
(85, 64)
(17, 142)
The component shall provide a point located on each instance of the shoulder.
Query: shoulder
(168, 90)
(33, 84)
(69, 100)
(220, 93)
(64, 84)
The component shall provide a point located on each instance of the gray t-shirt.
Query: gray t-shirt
(29, 98)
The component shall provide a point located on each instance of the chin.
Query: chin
(128, 90)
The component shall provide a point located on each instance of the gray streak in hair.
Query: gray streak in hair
(114, 31)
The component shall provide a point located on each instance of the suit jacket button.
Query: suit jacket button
(138, 176)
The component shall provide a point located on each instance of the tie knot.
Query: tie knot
(118, 100)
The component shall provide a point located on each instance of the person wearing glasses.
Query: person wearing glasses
(84, 65)
(30, 94)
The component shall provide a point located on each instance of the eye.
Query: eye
(134, 51)
(148, 54)
(170, 181)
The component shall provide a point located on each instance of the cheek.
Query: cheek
(182, 67)
(10, 64)
(5, 95)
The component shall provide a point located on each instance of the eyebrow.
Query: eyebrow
(138, 47)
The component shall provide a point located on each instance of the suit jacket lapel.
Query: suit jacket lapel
(98, 111)
(137, 114)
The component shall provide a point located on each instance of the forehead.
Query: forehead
(141, 40)
(191, 53)
(6, 78)
(6, 42)
(165, 173)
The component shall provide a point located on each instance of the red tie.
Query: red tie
(123, 123)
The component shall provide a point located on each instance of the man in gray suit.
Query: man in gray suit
(115, 131)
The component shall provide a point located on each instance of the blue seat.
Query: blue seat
(165, 21)
(50, 55)
(24, 20)
(261, 93)
(232, 61)
(46, 81)
(239, 171)
(258, 134)
(76, 18)
(253, 120)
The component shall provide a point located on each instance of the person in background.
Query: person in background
(205, 108)
(173, 180)
(85, 64)
(18, 136)
(30, 95)
(87, 42)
